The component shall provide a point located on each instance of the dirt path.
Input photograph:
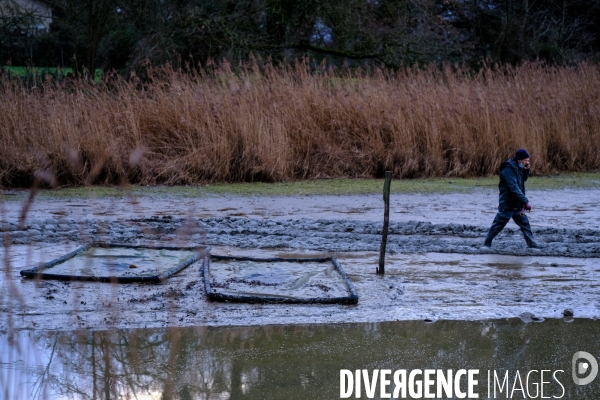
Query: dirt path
(436, 269)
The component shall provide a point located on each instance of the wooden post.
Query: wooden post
(386, 221)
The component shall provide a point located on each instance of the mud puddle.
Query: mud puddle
(288, 362)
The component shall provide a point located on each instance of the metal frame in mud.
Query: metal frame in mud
(38, 272)
(212, 294)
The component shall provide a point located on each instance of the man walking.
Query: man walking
(513, 203)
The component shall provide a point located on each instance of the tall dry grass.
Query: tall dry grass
(286, 123)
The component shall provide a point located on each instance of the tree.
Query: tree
(513, 30)
(90, 21)
(126, 34)
(19, 25)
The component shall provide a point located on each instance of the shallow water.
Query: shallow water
(287, 362)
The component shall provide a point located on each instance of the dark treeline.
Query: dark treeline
(126, 34)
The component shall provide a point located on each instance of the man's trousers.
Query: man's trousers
(502, 219)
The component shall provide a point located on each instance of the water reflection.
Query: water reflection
(280, 362)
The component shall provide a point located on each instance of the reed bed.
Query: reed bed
(286, 123)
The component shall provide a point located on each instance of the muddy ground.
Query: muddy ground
(436, 267)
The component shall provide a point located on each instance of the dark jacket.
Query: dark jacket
(512, 186)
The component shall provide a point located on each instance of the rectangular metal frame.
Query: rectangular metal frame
(39, 272)
(213, 294)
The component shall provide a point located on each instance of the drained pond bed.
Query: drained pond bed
(442, 304)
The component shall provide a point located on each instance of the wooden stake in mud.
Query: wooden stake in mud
(386, 221)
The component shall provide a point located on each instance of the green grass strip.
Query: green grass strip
(40, 72)
(315, 187)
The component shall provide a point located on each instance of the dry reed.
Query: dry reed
(286, 123)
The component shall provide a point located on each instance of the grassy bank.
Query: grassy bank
(41, 74)
(315, 187)
(285, 124)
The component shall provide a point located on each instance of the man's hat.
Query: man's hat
(521, 154)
